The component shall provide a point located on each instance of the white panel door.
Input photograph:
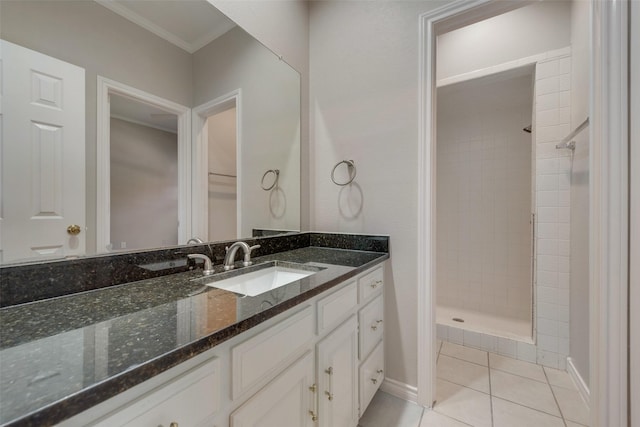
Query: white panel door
(43, 172)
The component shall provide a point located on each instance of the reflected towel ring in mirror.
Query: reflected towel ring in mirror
(351, 166)
(276, 175)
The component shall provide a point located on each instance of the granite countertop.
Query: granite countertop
(61, 356)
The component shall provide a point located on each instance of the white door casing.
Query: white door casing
(43, 156)
(106, 88)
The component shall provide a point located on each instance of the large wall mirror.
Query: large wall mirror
(131, 125)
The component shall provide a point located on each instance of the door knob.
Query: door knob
(73, 229)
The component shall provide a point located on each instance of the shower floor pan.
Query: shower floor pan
(485, 323)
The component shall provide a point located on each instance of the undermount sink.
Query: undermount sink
(261, 278)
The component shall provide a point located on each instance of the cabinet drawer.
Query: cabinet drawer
(262, 357)
(371, 376)
(336, 306)
(191, 399)
(370, 284)
(371, 325)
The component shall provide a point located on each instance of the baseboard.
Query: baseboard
(401, 390)
(583, 389)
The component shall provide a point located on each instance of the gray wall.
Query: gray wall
(579, 290)
(364, 106)
(270, 123)
(503, 38)
(144, 186)
(90, 36)
(283, 26)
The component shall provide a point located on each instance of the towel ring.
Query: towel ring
(276, 174)
(350, 165)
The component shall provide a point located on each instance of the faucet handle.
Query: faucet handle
(247, 256)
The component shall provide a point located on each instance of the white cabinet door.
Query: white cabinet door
(338, 376)
(42, 149)
(191, 399)
(288, 400)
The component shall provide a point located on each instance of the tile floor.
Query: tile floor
(480, 389)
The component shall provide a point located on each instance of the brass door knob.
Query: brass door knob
(73, 229)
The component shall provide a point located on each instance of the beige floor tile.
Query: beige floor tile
(386, 410)
(508, 414)
(571, 404)
(463, 404)
(559, 378)
(517, 367)
(465, 353)
(434, 419)
(463, 373)
(524, 391)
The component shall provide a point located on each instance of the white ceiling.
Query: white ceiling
(188, 24)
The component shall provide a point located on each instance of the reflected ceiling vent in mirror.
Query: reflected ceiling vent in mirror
(189, 25)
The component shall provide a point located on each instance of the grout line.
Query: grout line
(554, 398)
(462, 360)
(490, 390)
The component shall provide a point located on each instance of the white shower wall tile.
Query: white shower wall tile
(552, 124)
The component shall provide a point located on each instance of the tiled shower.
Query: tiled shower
(503, 211)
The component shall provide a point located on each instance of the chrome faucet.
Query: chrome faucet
(231, 254)
(208, 265)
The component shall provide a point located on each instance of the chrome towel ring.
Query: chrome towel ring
(351, 166)
(276, 176)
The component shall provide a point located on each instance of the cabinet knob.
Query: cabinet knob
(173, 424)
(314, 417)
(313, 388)
(379, 371)
(329, 395)
(374, 380)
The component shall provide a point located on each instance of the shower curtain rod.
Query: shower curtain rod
(567, 141)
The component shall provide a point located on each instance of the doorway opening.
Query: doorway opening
(217, 175)
(485, 202)
(160, 128)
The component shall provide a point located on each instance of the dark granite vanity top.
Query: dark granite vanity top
(63, 355)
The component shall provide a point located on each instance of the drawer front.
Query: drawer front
(337, 306)
(371, 325)
(371, 284)
(191, 399)
(262, 357)
(371, 376)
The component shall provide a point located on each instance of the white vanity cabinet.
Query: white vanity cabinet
(191, 399)
(371, 336)
(315, 365)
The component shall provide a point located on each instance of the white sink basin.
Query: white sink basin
(260, 281)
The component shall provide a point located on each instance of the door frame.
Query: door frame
(609, 197)
(106, 88)
(200, 160)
